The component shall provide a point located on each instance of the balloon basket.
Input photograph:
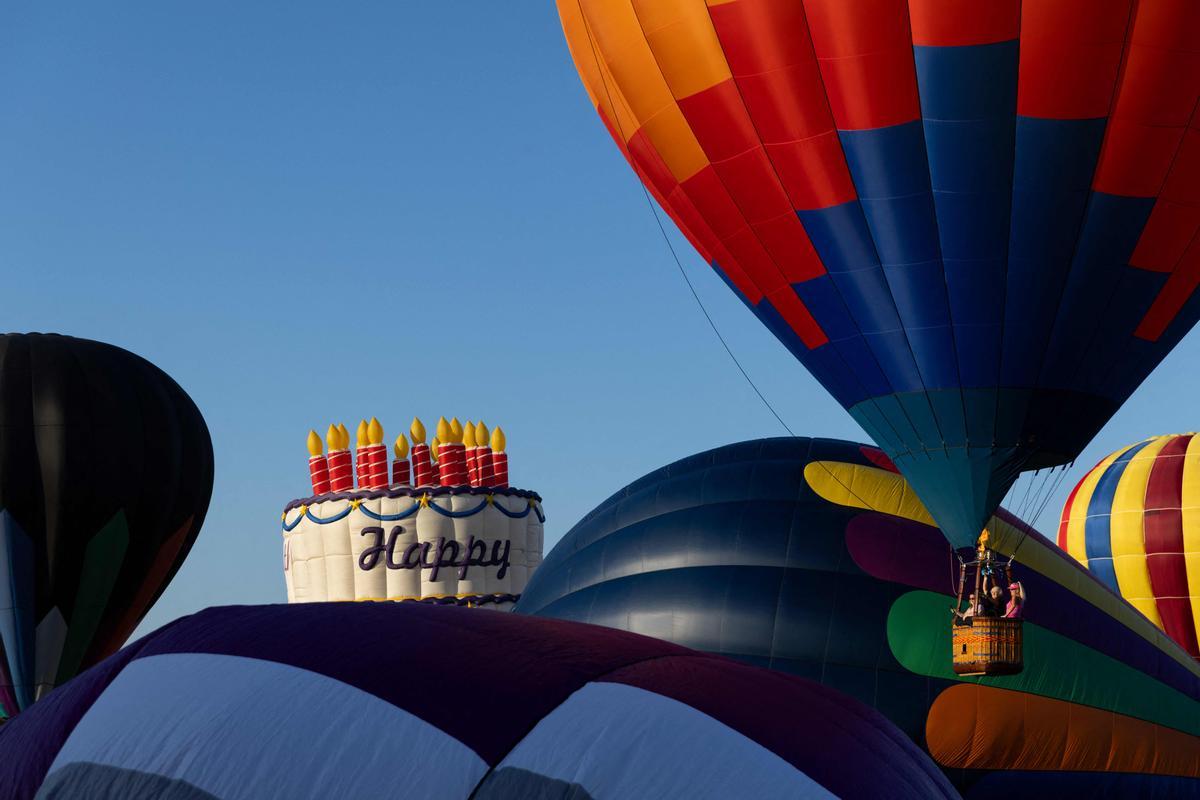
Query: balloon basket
(988, 646)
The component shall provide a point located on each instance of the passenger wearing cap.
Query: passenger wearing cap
(1015, 609)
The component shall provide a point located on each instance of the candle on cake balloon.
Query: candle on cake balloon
(318, 464)
(361, 442)
(483, 455)
(421, 466)
(499, 459)
(458, 453)
(452, 466)
(341, 474)
(436, 455)
(377, 466)
(400, 467)
(468, 440)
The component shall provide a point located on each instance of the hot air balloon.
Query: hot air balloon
(972, 222)
(1134, 522)
(106, 470)
(394, 700)
(814, 557)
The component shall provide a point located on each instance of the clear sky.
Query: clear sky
(317, 211)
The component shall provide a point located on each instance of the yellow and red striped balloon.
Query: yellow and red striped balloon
(1134, 522)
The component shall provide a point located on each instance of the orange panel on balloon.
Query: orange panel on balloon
(971, 726)
(685, 46)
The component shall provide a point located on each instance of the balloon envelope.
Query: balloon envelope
(1134, 521)
(106, 470)
(770, 552)
(975, 229)
(407, 700)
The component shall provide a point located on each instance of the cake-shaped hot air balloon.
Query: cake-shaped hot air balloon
(972, 222)
(430, 531)
(1134, 521)
(106, 470)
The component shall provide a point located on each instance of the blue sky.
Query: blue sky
(310, 211)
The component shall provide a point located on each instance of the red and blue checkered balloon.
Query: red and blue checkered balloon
(974, 223)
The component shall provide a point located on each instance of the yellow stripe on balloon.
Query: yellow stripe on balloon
(1079, 508)
(1191, 522)
(866, 487)
(1127, 530)
(684, 43)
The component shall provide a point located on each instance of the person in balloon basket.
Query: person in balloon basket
(990, 604)
(1015, 609)
(973, 608)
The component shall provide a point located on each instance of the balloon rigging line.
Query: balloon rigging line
(667, 239)
(679, 264)
(712, 324)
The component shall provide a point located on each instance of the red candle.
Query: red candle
(452, 456)
(318, 465)
(360, 454)
(422, 468)
(483, 456)
(499, 459)
(400, 470)
(472, 451)
(341, 475)
(377, 466)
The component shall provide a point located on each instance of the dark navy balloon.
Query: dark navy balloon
(106, 470)
(815, 558)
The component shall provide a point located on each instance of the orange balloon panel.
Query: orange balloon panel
(971, 726)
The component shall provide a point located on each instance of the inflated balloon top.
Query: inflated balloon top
(106, 470)
(1134, 521)
(974, 223)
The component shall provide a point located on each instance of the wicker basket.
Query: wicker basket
(988, 646)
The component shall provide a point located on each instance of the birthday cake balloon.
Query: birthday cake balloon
(443, 526)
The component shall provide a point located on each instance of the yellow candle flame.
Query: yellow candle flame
(360, 438)
(400, 448)
(433, 447)
(444, 431)
(374, 432)
(468, 434)
(314, 444)
(333, 437)
(456, 429)
(344, 443)
(481, 434)
(417, 429)
(498, 439)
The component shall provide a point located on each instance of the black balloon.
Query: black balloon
(106, 471)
